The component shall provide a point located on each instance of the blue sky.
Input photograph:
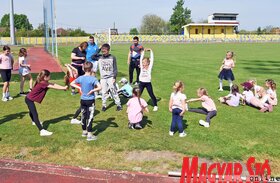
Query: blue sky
(96, 15)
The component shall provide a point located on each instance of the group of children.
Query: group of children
(88, 85)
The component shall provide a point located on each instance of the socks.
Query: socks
(221, 84)
(4, 95)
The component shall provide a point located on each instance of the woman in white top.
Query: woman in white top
(226, 70)
(145, 77)
(24, 71)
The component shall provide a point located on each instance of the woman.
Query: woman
(78, 57)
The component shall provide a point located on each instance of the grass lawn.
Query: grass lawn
(235, 134)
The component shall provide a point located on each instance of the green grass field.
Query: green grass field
(235, 134)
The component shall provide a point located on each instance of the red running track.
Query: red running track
(39, 59)
(27, 172)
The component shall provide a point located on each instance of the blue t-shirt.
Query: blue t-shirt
(87, 83)
(91, 49)
(128, 89)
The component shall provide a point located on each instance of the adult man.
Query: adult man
(133, 59)
(91, 50)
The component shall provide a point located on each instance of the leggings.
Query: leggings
(177, 119)
(209, 114)
(87, 108)
(149, 87)
(134, 64)
(33, 113)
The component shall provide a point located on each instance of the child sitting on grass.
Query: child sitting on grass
(135, 108)
(271, 85)
(126, 89)
(232, 99)
(208, 107)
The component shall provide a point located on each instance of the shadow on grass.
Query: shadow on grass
(261, 66)
(145, 122)
(57, 120)
(11, 117)
(150, 102)
(54, 76)
(102, 125)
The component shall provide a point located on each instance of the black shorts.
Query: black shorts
(6, 74)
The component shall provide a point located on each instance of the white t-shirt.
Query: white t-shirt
(273, 96)
(228, 63)
(177, 99)
(146, 74)
(248, 96)
(23, 70)
(234, 99)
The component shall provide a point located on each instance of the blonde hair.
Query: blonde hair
(202, 91)
(177, 86)
(146, 59)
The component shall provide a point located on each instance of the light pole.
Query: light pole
(12, 25)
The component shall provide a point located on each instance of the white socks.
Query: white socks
(221, 84)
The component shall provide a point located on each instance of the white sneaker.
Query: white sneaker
(203, 123)
(4, 99)
(171, 133)
(33, 123)
(155, 108)
(221, 89)
(75, 121)
(84, 134)
(183, 134)
(91, 138)
(45, 133)
(10, 98)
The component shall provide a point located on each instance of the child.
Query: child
(255, 87)
(232, 99)
(126, 89)
(146, 65)
(37, 94)
(24, 71)
(271, 85)
(6, 67)
(87, 86)
(208, 107)
(108, 73)
(177, 105)
(71, 75)
(226, 70)
(135, 108)
(253, 101)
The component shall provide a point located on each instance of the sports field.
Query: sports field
(234, 135)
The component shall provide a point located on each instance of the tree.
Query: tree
(180, 17)
(152, 24)
(259, 30)
(133, 31)
(21, 22)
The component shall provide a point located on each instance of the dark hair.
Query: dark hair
(83, 44)
(136, 38)
(91, 37)
(136, 92)
(41, 76)
(22, 52)
(106, 45)
(6, 48)
(271, 83)
(234, 89)
(88, 67)
(67, 78)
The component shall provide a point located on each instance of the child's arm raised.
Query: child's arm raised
(151, 58)
(141, 58)
(57, 87)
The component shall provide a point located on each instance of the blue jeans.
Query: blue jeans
(177, 119)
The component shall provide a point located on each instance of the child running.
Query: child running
(6, 67)
(37, 95)
(226, 70)
(145, 77)
(88, 85)
(177, 105)
(232, 99)
(24, 71)
(208, 107)
(135, 109)
(271, 90)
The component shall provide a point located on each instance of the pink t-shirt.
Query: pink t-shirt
(134, 109)
(208, 103)
(228, 63)
(6, 61)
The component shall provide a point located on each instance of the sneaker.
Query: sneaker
(33, 123)
(119, 108)
(4, 99)
(221, 89)
(171, 133)
(130, 126)
(30, 89)
(183, 134)
(84, 134)
(203, 123)
(92, 137)
(103, 109)
(264, 109)
(10, 98)
(75, 121)
(155, 108)
(138, 126)
(45, 133)
(22, 94)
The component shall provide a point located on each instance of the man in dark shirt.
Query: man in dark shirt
(133, 59)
